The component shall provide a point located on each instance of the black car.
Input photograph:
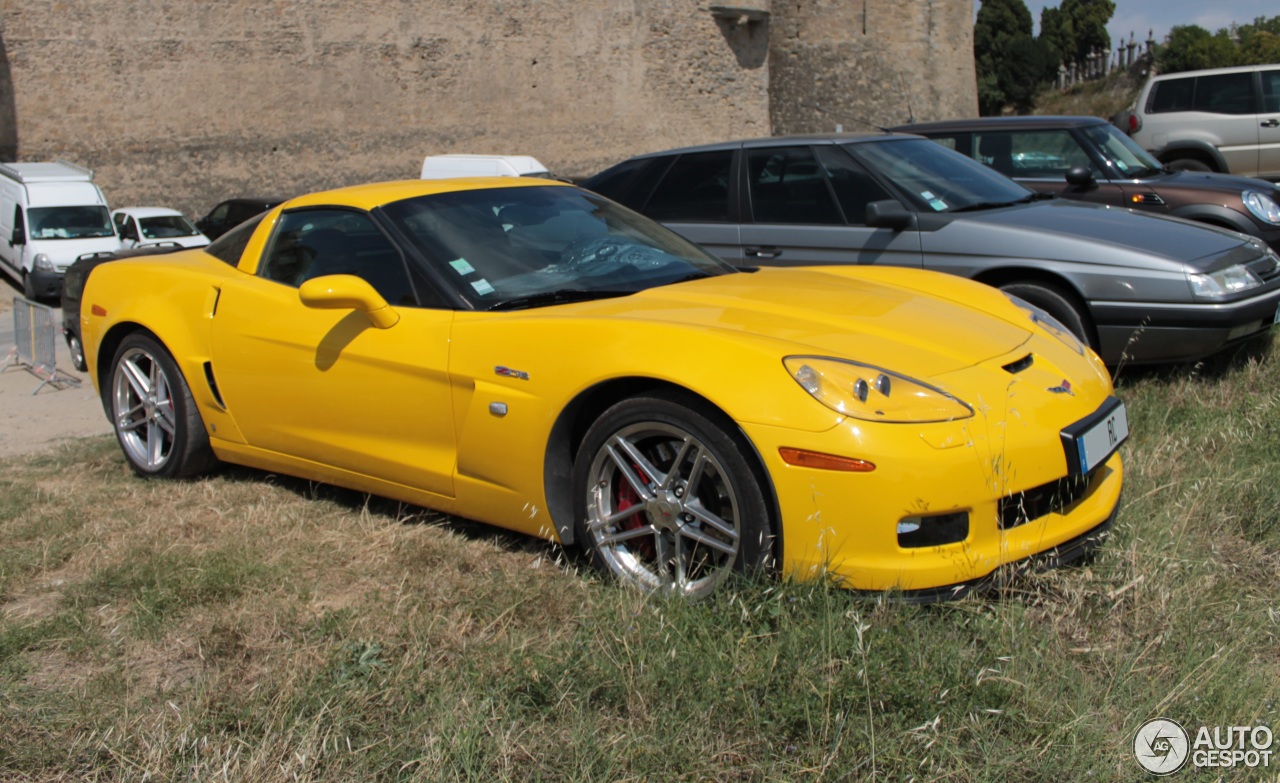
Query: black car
(1089, 159)
(231, 213)
(1138, 288)
(73, 290)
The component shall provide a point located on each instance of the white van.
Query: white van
(50, 215)
(446, 166)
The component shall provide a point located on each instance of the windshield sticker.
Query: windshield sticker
(462, 266)
(482, 286)
(938, 204)
(927, 195)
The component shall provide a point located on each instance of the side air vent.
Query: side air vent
(1018, 366)
(213, 385)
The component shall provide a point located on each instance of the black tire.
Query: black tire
(1057, 303)
(156, 420)
(680, 540)
(1188, 164)
(77, 352)
(28, 287)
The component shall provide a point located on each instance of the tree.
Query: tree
(1077, 28)
(1011, 63)
(1259, 42)
(1192, 48)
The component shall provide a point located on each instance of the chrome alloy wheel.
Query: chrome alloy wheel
(142, 407)
(662, 510)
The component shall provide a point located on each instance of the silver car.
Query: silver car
(1137, 288)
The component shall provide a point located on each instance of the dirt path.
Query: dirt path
(32, 422)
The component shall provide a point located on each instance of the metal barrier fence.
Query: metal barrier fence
(35, 337)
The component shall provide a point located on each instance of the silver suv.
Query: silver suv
(1222, 119)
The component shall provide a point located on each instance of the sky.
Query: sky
(1139, 16)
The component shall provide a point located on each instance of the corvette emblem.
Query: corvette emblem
(507, 372)
(1062, 388)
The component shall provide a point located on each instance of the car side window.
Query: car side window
(855, 188)
(128, 229)
(787, 186)
(1040, 154)
(230, 246)
(313, 243)
(219, 213)
(695, 189)
(1227, 93)
(1271, 91)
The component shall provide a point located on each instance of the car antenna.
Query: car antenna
(854, 120)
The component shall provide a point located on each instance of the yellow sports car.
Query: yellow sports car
(529, 354)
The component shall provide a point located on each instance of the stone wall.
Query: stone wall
(187, 101)
(184, 102)
(866, 63)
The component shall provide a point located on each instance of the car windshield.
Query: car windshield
(1122, 153)
(165, 226)
(509, 248)
(936, 179)
(69, 222)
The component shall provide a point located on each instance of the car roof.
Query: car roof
(144, 212)
(987, 123)
(773, 141)
(1210, 72)
(376, 194)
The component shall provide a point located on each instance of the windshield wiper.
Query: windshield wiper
(981, 205)
(559, 296)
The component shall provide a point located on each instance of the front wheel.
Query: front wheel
(1057, 303)
(28, 287)
(665, 500)
(77, 352)
(155, 417)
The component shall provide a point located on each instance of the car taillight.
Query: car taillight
(1135, 123)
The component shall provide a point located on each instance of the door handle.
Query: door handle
(762, 252)
(1271, 123)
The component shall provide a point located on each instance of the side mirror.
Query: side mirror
(889, 214)
(1080, 177)
(19, 236)
(348, 292)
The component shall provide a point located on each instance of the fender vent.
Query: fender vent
(213, 385)
(1018, 366)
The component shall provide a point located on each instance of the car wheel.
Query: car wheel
(665, 500)
(155, 417)
(1056, 303)
(1188, 164)
(77, 352)
(28, 286)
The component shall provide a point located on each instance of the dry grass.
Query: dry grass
(254, 627)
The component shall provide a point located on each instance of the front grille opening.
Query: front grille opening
(1052, 498)
(1018, 366)
(937, 530)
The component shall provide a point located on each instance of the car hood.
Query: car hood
(911, 321)
(1196, 180)
(1071, 231)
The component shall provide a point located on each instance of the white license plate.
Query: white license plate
(1095, 439)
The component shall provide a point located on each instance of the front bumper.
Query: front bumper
(1143, 333)
(844, 526)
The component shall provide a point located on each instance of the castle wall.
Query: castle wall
(185, 102)
(867, 63)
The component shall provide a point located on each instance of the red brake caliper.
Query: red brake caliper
(624, 497)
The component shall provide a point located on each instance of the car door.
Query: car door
(694, 199)
(1269, 124)
(1225, 108)
(326, 385)
(808, 206)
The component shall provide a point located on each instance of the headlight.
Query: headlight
(1262, 206)
(1224, 281)
(872, 393)
(1048, 323)
(42, 262)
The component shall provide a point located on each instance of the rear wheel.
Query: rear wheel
(155, 417)
(1057, 303)
(664, 499)
(77, 352)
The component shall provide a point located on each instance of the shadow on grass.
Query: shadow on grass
(1221, 365)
